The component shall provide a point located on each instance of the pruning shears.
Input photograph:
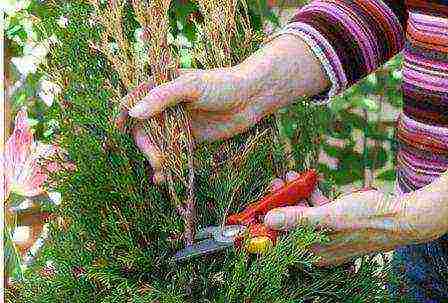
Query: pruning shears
(245, 230)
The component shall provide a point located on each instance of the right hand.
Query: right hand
(220, 102)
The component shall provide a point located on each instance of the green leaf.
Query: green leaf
(32, 122)
(355, 120)
(368, 104)
(13, 264)
(372, 79)
(190, 32)
(13, 30)
(333, 151)
(397, 75)
(47, 134)
(376, 157)
(388, 175)
(185, 58)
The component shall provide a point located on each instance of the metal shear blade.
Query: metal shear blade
(204, 247)
(213, 238)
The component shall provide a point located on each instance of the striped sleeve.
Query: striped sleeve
(351, 38)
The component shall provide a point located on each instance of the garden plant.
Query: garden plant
(112, 235)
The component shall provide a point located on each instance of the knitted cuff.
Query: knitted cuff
(326, 55)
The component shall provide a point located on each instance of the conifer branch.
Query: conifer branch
(117, 233)
(173, 136)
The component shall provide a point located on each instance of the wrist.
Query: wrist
(284, 69)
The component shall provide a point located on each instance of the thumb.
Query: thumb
(183, 89)
(136, 93)
(152, 153)
(286, 218)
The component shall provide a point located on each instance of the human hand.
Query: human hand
(224, 102)
(369, 221)
(220, 103)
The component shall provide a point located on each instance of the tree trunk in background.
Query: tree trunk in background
(368, 143)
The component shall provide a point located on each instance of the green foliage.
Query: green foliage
(287, 269)
(11, 256)
(303, 125)
(363, 114)
(121, 231)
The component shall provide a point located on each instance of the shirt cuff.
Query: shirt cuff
(326, 55)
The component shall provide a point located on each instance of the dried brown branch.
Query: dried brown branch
(113, 43)
(170, 131)
(225, 38)
(219, 34)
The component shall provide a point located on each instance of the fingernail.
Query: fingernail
(317, 198)
(276, 219)
(276, 184)
(302, 203)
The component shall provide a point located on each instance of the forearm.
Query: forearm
(325, 49)
(284, 70)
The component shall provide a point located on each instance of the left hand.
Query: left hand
(368, 221)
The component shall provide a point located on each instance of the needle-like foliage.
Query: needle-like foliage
(117, 231)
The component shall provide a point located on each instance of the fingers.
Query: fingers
(291, 176)
(183, 89)
(129, 99)
(152, 153)
(139, 92)
(318, 199)
(288, 217)
(276, 184)
(284, 218)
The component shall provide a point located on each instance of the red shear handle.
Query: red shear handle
(299, 189)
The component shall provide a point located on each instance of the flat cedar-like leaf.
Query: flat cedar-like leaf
(118, 231)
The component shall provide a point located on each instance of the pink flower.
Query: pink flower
(22, 173)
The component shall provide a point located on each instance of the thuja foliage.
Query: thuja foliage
(115, 232)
